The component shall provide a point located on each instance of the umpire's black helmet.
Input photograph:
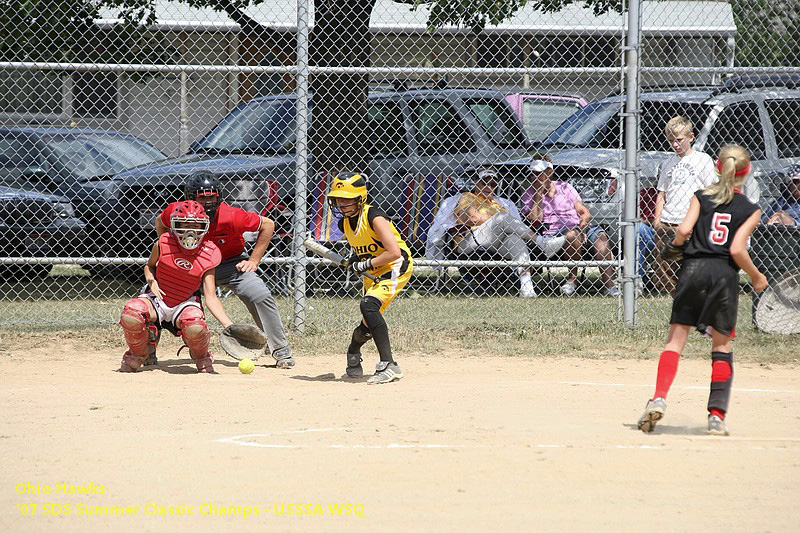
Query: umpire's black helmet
(202, 185)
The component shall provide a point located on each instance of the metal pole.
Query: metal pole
(631, 220)
(301, 168)
(183, 134)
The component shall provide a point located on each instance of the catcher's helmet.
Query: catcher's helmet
(204, 186)
(348, 185)
(189, 223)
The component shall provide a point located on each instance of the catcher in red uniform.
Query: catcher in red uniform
(180, 263)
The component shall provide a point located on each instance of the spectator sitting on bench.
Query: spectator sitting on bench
(558, 208)
(480, 221)
(786, 209)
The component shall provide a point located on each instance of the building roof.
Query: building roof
(658, 17)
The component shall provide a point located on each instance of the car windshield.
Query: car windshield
(497, 121)
(262, 126)
(541, 117)
(598, 125)
(92, 155)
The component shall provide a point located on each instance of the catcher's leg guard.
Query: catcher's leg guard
(721, 380)
(192, 324)
(137, 327)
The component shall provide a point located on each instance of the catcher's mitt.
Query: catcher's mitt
(670, 252)
(243, 341)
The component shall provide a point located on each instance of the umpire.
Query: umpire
(237, 271)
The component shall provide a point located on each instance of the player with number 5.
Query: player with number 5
(377, 249)
(720, 220)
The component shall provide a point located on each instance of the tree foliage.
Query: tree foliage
(477, 14)
(65, 31)
(769, 32)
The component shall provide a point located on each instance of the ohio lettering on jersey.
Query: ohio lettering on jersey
(364, 241)
(716, 226)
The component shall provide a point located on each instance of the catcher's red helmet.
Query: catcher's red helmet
(189, 223)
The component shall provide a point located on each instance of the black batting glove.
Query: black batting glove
(672, 252)
(359, 267)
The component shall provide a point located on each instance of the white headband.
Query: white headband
(540, 165)
(487, 174)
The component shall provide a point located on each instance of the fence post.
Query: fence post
(631, 164)
(301, 168)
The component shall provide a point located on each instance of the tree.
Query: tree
(64, 31)
(769, 32)
(477, 14)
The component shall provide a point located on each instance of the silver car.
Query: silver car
(759, 113)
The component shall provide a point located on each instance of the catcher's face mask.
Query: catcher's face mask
(189, 223)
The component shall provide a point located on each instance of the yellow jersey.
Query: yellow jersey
(365, 243)
(485, 207)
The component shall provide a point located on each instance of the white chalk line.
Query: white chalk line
(651, 385)
(718, 441)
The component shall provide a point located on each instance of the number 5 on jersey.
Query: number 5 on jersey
(719, 228)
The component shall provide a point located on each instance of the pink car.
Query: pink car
(543, 113)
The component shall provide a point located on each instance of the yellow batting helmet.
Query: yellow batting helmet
(348, 185)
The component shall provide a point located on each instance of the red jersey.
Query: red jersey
(180, 272)
(227, 228)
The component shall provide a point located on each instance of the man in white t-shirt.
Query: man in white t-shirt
(678, 178)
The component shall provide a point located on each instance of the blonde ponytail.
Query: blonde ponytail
(733, 167)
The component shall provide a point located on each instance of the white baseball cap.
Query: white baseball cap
(540, 165)
(793, 173)
(487, 174)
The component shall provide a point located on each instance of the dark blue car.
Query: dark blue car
(32, 225)
(74, 163)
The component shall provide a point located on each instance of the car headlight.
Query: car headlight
(64, 209)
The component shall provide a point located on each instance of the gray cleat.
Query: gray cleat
(385, 373)
(717, 426)
(354, 369)
(653, 412)
(283, 357)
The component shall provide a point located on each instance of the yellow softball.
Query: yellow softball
(246, 366)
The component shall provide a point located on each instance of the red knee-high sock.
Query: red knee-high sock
(667, 368)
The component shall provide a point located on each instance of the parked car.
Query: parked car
(419, 137)
(71, 162)
(760, 113)
(541, 113)
(33, 225)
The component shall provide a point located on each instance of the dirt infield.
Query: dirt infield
(461, 443)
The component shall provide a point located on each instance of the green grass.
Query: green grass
(419, 324)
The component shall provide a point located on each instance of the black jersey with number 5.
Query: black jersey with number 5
(716, 225)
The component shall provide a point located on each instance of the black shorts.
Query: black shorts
(707, 295)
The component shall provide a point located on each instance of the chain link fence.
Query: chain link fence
(519, 154)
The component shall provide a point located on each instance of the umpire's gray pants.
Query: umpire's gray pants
(256, 296)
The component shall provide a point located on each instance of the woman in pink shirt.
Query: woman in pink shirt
(557, 208)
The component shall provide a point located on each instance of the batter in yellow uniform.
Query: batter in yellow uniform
(378, 250)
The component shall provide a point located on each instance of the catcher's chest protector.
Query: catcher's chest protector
(180, 273)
